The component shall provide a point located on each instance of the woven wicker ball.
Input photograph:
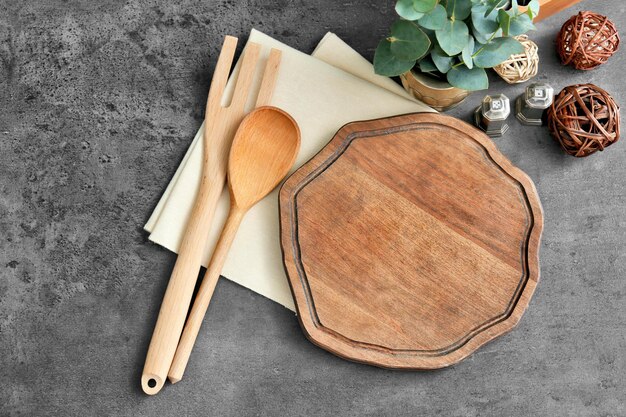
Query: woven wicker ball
(520, 67)
(587, 40)
(584, 119)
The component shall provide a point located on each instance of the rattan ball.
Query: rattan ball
(587, 40)
(520, 67)
(584, 119)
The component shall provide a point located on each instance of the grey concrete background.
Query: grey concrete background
(98, 103)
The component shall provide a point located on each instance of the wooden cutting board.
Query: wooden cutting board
(409, 242)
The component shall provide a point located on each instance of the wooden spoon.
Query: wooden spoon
(263, 151)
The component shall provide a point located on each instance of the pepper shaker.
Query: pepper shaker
(492, 113)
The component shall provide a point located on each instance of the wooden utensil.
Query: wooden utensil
(409, 242)
(263, 151)
(220, 125)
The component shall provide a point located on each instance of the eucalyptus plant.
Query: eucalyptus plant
(455, 39)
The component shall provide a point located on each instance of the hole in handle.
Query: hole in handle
(151, 384)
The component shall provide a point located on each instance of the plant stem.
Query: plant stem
(493, 35)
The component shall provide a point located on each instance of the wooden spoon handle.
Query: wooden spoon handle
(203, 298)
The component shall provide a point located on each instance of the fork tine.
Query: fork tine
(246, 74)
(269, 78)
(222, 70)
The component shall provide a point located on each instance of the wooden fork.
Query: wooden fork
(219, 129)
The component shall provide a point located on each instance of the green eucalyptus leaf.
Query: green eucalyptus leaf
(467, 52)
(477, 45)
(435, 19)
(495, 5)
(459, 9)
(504, 21)
(468, 79)
(405, 9)
(424, 6)
(533, 8)
(497, 51)
(408, 42)
(386, 63)
(442, 61)
(530, 13)
(453, 37)
(480, 37)
(520, 24)
(426, 64)
(484, 24)
(431, 35)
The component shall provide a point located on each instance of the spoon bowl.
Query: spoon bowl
(263, 151)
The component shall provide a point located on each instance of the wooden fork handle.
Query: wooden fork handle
(182, 282)
(178, 295)
(205, 293)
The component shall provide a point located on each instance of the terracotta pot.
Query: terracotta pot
(437, 94)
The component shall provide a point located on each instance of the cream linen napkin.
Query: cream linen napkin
(321, 97)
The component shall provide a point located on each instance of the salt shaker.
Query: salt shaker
(531, 104)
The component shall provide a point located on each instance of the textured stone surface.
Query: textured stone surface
(98, 103)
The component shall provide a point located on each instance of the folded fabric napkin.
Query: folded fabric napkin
(322, 92)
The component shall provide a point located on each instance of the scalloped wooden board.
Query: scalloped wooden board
(409, 242)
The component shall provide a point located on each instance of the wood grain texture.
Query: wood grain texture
(550, 7)
(409, 242)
